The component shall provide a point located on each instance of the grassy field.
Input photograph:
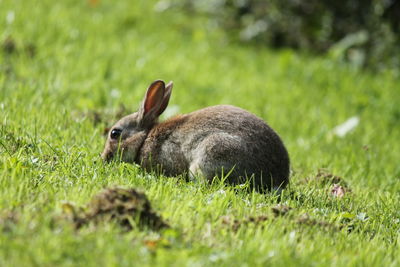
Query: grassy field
(67, 69)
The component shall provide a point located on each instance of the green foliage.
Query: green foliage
(66, 67)
(364, 33)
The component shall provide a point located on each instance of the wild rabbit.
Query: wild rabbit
(203, 143)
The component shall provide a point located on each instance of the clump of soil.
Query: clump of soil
(127, 207)
(8, 220)
(9, 45)
(277, 211)
(235, 224)
(280, 210)
(305, 219)
(30, 50)
(13, 141)
(325, 177)
(338, 186)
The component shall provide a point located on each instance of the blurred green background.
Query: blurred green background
(362, 33)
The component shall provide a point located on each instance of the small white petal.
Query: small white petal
(342, 129)
(10, 17)
(115, 93)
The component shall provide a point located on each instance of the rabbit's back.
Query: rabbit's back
(214, 138)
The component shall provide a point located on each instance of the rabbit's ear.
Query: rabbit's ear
(167, 95)
(152, 102)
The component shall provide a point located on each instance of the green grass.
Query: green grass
(94, 58)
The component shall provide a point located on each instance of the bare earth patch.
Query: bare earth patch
(126, 207)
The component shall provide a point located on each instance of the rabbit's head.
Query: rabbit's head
(126, 137)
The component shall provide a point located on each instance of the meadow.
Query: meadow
(69, 69)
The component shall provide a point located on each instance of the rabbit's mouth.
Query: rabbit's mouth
(121, 154)
(110, 153)
(107, 155)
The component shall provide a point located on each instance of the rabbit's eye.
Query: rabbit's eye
(115, 133)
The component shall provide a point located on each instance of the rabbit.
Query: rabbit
(201, 144)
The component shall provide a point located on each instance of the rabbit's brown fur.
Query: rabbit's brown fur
(203, 144)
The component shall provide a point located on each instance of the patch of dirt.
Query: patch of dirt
(12, 141)
(30, 50)
(8, 219)
(9, 46)
(305, 219)
(280, 210)
(325, 177)
(50, 158)
(127, 207)
(235, 224)
(338, 187)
